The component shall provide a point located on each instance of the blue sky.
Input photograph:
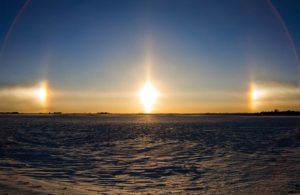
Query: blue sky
(201, 51)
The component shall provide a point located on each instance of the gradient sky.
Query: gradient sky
(202, 56)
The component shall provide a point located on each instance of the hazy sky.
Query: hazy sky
(201, 56)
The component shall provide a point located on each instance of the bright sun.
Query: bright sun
(148, 96)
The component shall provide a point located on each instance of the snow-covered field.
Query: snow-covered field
(90, 154)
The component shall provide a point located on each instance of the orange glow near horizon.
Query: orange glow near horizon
(147, 99)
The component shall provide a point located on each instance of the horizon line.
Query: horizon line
(156, 113)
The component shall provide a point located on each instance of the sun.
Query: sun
(148, 96)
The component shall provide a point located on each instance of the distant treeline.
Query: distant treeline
(103, 113)
(277, 112)
(263, 113)
(55, 113)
